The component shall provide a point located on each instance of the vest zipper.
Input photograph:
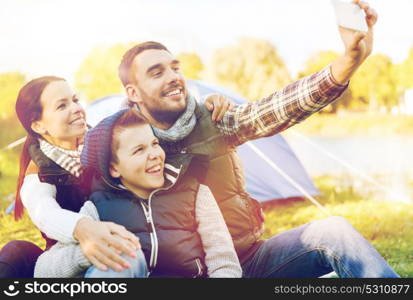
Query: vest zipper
(151, 226)
(198, 264)
(152, 234)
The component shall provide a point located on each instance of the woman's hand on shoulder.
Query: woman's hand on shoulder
(104, 242)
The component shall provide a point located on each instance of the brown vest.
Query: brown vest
(220, 168)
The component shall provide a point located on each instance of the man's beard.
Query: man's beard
(161, 115)
(165, 116)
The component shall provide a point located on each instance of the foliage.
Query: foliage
(191, 65)
(98, 73)
(317, 62)
(11, 131)
(374, 83)
(404, 72)
(10, 84)
(377, 84)
(251, 68)
(19, 230)
(10, 229)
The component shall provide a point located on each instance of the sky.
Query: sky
(52, 37)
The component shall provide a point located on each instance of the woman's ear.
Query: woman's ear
(113, 171)
(38, 128)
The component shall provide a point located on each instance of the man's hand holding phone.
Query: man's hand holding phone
(358, 43)
(350, 15)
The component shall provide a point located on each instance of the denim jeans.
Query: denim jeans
(138, 269)
(315, 249)
(18, 258)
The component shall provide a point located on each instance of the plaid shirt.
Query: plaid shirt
(281, 110)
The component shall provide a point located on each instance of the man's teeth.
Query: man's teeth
(174, 92)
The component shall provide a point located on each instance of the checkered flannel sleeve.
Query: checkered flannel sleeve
(282, 109)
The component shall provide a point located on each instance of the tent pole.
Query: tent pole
(14, 144)
(288, 178)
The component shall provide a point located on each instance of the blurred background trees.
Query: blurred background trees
(191, 65)
(98, 73)
(10, 84)
(404, 72)
(374, 84)
(252, 68)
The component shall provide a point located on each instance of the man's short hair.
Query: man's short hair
(127, 59)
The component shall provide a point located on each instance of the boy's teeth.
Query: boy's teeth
(154, 170)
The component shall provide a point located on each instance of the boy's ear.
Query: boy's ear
(113, 171)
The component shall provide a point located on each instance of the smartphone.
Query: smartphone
(350, 15)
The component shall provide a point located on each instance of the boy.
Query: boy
(180, 227)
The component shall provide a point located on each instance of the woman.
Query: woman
(54, 188)
(55, 123)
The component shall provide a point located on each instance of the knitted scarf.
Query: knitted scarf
(67, 159)
(182, 127)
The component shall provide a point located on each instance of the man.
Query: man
(155, 85)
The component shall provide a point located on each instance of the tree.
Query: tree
(315, 64)
(374, 83)
(252, 67)
(404, 73)
(98, 73)
(191, 65)
(10, 84)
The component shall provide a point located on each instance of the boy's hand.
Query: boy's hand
(219, 105)
(103, 243)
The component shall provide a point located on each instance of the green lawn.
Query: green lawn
(388, 225)
(10, 229)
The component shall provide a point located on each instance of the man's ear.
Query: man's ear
(38, 128)
(133, 93)
(113, 171)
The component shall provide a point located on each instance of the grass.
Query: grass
(8, 172)
(10, 229)
(387, 225)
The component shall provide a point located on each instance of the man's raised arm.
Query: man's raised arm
(304, 97)
(279, 111)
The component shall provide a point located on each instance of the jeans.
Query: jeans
(18, 258)
(138, 269)
(315, 249)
